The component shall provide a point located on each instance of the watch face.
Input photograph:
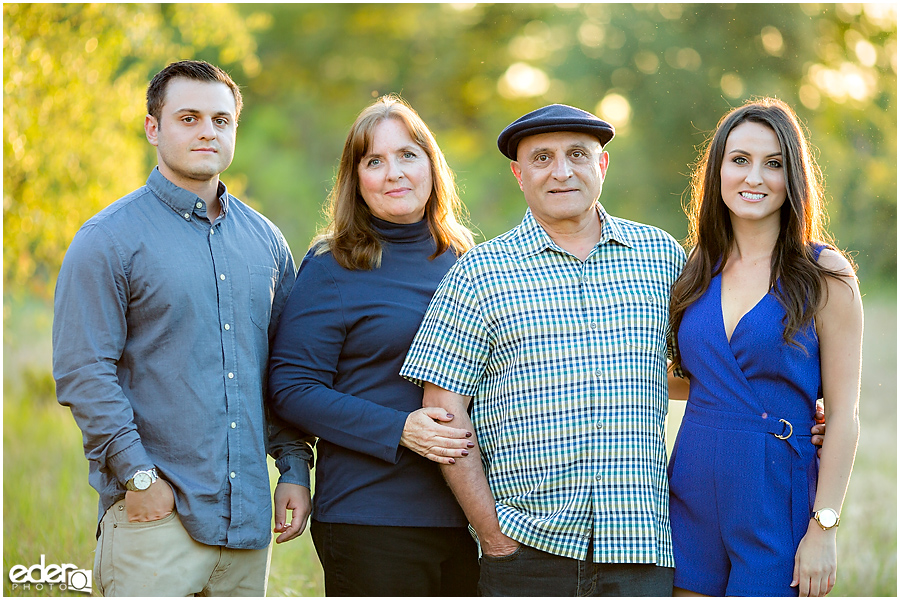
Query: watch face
(827, 518)
(142, 480)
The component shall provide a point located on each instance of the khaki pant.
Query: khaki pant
(159, 558)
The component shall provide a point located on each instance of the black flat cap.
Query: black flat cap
(556, 117)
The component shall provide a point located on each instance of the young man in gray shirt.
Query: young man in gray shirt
(164, 309)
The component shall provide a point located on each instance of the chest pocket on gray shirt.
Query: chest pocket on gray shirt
(262, 293)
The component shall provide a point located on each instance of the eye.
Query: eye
(221, 122)
(578, 154)
(189, 119)
(373, 162)
(409, 155)
(740, 160)
(774, 164)
(542, 158)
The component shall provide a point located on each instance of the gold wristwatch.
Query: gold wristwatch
(827, 518)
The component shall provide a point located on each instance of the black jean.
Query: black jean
(370, 560)
(531, 572)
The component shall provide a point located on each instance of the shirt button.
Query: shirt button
(212, 232)
(233, 474)
(599, 373)
(598, 477)
(227, 326)
(187, 216)
(599, 424)
(222, 276)
(593, 325)
(199, 205)
(231, 376)
(233, 424)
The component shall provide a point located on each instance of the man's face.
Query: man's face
(195, 134)
(561, 175)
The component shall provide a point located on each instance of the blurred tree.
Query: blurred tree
(75, 77)
(663, 73)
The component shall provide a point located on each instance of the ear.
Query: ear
(151, 128)
(517, 171)
(604, 163)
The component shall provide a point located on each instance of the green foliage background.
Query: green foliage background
(75, 75)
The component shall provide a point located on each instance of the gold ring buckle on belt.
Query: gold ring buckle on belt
(790, 430)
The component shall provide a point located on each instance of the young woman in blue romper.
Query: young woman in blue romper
(766, 318)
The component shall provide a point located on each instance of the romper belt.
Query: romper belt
(803, 476)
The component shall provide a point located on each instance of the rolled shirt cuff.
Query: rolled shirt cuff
(128, 462)
(293, 469)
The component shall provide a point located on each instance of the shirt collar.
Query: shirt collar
(179, 199)
(531, 238)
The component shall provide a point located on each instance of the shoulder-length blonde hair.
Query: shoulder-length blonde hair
(801, 289)
(349, 235)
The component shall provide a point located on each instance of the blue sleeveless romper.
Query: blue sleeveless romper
(740, 496)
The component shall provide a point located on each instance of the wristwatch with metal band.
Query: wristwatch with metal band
(827, 518)
(141, 480)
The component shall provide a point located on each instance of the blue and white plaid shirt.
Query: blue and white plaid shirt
(566, 364)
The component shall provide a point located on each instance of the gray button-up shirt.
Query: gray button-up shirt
(161, 334)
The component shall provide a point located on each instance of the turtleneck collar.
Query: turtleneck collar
(401, 232)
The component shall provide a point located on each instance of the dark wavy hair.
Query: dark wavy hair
(801, 289)
(349, 235)
(196, 70)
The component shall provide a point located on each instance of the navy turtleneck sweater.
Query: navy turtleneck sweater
(334, 372)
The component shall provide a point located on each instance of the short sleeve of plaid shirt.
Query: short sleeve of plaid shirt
(452, 346)
(566, 363)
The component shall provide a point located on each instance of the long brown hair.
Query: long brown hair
(801, 289)
(349, 235)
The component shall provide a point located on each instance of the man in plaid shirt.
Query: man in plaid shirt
(555, 332)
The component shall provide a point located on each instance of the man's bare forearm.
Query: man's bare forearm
(467, 479)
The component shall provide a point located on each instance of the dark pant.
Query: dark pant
(531, 572)
(368, 560)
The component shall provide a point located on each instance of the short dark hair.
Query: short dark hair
(197, 70)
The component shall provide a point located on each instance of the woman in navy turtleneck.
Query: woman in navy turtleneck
(384, 523)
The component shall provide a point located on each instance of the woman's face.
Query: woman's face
(395, 175)
(753, 179)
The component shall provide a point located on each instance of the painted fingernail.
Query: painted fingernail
(449, 416)
(465, 452)
(470, 444)
(452, 462)
(468, 434)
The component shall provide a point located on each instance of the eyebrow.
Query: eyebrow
(738, 150)
(575, 146)
(411, 148)
(198, 111)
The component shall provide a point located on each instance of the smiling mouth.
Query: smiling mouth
(566, 191)
(752, 196)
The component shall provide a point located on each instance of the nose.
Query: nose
(562, 170)
(754, 175)
(394, 169)
(207, 130)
